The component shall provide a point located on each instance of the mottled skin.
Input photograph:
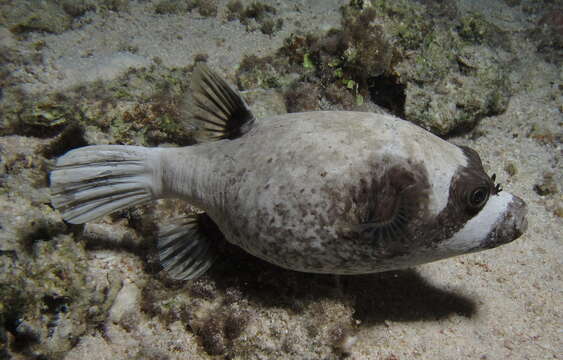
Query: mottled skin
(295, 189)
(329, 192)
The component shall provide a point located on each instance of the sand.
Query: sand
(504, 303)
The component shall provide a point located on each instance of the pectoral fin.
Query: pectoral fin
(392, 203)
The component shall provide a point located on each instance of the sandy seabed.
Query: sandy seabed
(505, 303)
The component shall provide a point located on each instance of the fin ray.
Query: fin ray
(220, 105)
(186, 248)
(93, 181)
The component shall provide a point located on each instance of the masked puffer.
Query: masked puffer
(325, 192)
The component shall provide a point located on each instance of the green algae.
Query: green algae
(452, 78)
(458, 88)
(449, 75)
(265, 72)
(143, 106)
(254, 16)
(407, 21)
(35, 15)
(222, 333)
(206, 8)
(46, 296)
(474, 28)
(47, 299)
(51, 16)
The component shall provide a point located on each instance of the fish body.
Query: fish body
(326, 192)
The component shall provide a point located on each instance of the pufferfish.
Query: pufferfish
(335, 192)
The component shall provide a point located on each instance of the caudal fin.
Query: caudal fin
(93, 181)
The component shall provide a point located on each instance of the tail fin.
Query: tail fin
(93, 181)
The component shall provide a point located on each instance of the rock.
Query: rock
(35, 15)
(127, 300)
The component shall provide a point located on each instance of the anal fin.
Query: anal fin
(187, 246)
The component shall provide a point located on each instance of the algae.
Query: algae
(51, 16)
(143, 106)
(453, 92)
(255, 16)
(549, 33)
(47, 300)
(441, 72)
(206, 8)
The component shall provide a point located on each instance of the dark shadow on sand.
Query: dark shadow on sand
(396, 295)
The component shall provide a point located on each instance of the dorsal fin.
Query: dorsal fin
(220, 108)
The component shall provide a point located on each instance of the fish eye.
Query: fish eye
(478, 197)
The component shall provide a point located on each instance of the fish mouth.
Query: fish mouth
(519, 211)
(511, 226)
(523, 226)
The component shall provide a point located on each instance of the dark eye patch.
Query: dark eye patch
(473, 186)
(479, 196)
